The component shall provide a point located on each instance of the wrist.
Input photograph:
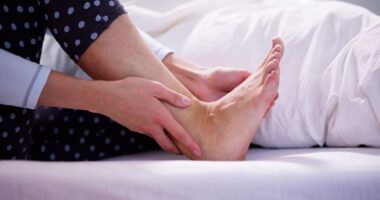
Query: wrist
(69, 92)
(95, 96)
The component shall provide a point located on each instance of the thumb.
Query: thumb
(172, 97)
(234, 78)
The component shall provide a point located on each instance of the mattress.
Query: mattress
(315, 173)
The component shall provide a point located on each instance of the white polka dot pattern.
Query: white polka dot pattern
(5, 134)
(70, 10)
(5, 8)
(13, 26)
(86, 5)
(56, 14)
(81, 24)
(30, 9)
(98, 18)
(77, 42)
(20, 9)
(66, 29)
(94, 36)
(7, 45)
(22, 44)
(26, 25)
(96, 3)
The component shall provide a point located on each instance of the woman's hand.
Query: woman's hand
(207, 84)
(136, 103)
(214, 83)
(133, 102)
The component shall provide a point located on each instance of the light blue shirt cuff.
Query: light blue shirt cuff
(36, 87)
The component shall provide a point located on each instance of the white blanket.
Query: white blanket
(330, 78)
(330, 81)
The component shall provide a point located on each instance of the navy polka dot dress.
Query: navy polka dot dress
(54, 133)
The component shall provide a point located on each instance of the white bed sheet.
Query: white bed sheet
(318, 173)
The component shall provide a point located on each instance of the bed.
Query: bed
(297, 174)
(276, 172)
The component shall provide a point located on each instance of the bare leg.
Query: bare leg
(119, 52)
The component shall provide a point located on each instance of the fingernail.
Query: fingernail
(186, 101)
(197, 153)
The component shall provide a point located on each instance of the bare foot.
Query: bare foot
(225, 128)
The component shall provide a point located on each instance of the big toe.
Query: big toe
(278, 45)
(276, 52)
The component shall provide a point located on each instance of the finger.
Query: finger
(233, 78)
(245, 74)
(163, 140)
(171, 139)
(170, 96)
(179, 133)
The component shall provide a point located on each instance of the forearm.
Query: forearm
(120, 52)
(69, 92)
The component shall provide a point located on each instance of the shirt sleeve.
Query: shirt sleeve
(21, 81)
(76, 24)
(158, 49)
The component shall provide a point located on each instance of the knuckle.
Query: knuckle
(177, 97)
(158, 117)
(181, 137)
(150, 132)
(137, 129)
(157, 86)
